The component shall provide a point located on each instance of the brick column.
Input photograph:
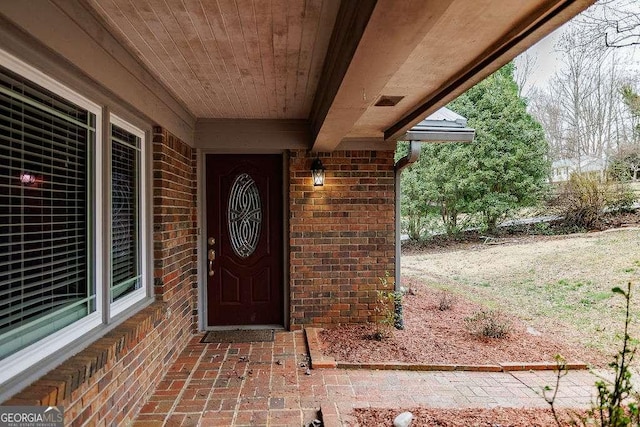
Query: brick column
(341, 236)
(175, 226)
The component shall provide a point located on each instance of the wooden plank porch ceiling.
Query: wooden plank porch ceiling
(230, 59)
(327, 62)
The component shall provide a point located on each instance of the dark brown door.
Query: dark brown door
(244, 217)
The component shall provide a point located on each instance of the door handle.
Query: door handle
(212, 256)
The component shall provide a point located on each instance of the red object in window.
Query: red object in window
(27, 178)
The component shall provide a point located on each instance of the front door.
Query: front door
(244, 256)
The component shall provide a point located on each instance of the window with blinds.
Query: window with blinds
(46, 147)
(125, 256)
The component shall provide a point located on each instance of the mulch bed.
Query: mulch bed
(430, 417)
(432, 336)
(439, 337)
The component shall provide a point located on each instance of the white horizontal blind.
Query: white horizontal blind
(45, 150)
(125, 257)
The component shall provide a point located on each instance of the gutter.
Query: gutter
(442, 126)
(441, 134)
(410, 158)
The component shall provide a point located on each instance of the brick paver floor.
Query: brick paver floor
(268, 384)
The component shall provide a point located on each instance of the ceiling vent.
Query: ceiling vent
(388, 101)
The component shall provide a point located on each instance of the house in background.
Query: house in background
(155, 171)
(561, 170)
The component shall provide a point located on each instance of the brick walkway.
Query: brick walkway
(267, 384)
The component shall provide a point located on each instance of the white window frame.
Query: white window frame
(103, 316)
(138, 295)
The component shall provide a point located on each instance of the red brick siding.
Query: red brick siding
(341, 236)
(175, 227)
(108, 382)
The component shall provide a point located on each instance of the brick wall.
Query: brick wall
(341, 236)
(108, 382)
(175, 229)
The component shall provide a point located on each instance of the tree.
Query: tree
(436, 183)
(525, 64)
(631, 99)
(508, 165)
(547, 111)
(625, 165)
(585, 89)
(414, 196)
(504, 168)
(582, 111)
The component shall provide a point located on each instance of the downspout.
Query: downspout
(411, 157)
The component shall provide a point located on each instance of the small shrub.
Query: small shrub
(387, 310)
(620, 197)
(585, 197)
(488, 324)
(583, 200)
(385, 314)
(543, 229)
(617, 403)
(445, 300)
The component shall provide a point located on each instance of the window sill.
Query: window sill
(86, 367)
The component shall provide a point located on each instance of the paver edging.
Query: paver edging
(402, 366)
(540, 366)
(320, 361)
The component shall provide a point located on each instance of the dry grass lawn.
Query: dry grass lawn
(560, 286)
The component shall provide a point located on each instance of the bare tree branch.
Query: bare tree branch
(525, 65)
(582, 109)
(612, 23)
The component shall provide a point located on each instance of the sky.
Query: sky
(547, 61)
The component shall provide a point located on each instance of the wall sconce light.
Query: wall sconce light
(317, 173)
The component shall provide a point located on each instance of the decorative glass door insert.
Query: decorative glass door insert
(245, 216)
